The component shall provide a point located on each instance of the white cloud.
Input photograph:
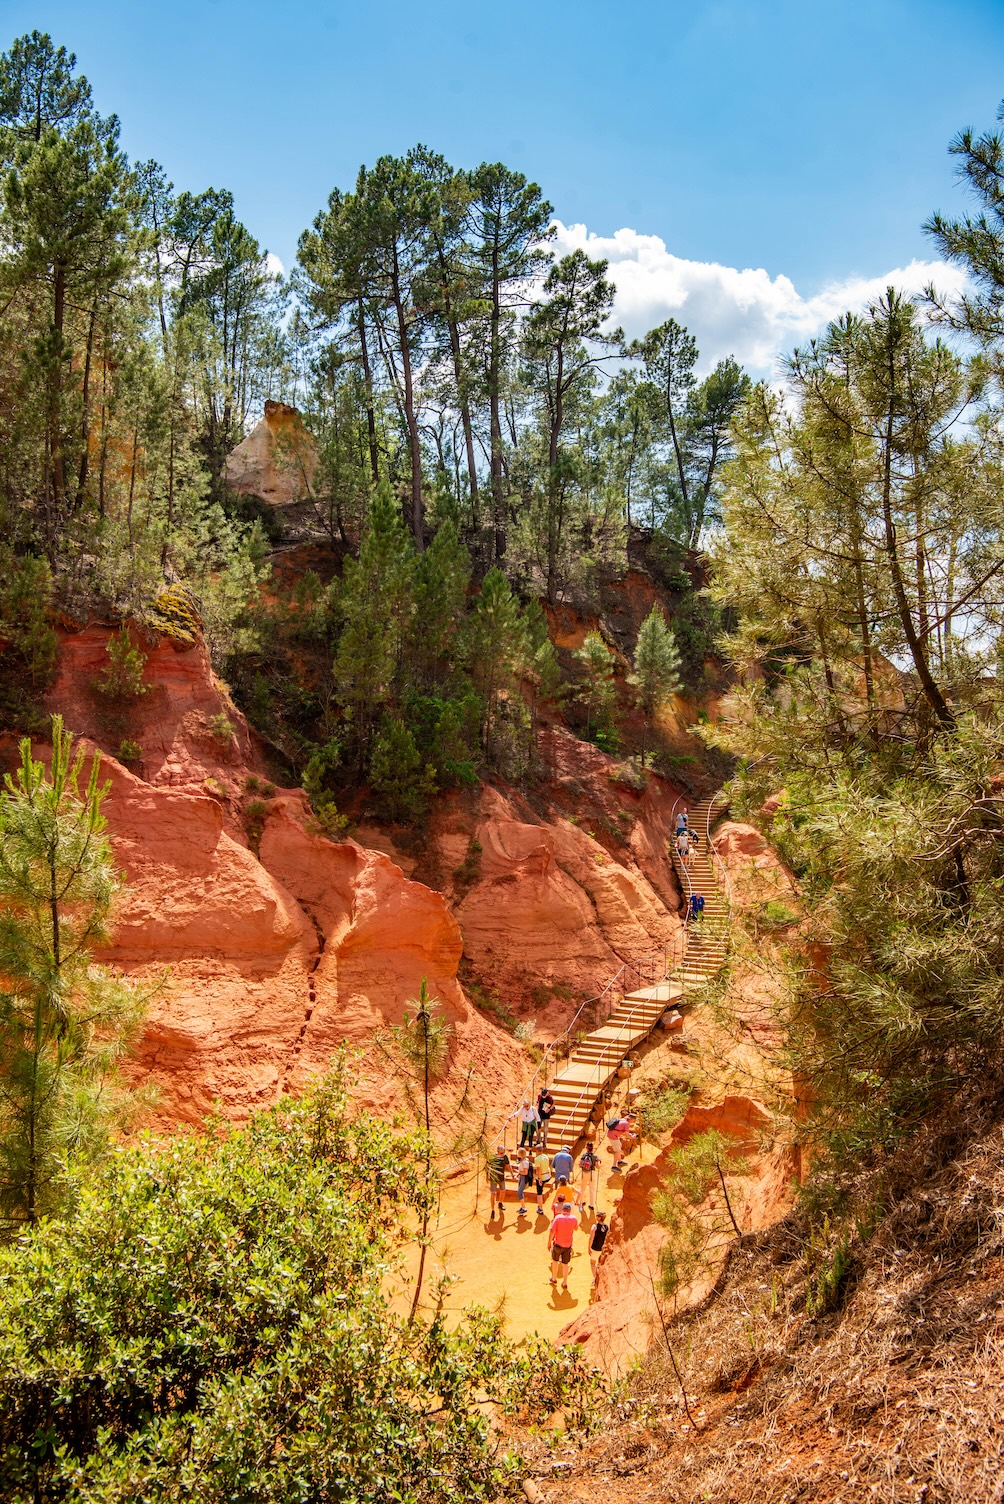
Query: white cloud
(749, 314)
(274, 265)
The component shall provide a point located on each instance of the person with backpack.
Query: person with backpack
(597, 1238)
(562, 1165)
(588, 1166)
(498, 1166)
(681, 821)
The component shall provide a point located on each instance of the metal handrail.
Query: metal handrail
(550, 1049)
(595, 1086)
(715, 854)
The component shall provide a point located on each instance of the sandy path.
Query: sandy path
(503, 1264)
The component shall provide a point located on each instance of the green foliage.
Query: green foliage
(697, 1166)
(402, 780)
(830, 1271)
(696, 1163)
(863, 533)
(598, 694)
(221, 727)
(662, 1108)
(64, 1021)
(376, 604)
(255, 815)
(175, 613)
(27, 641)
(446, 733)
(122, 681)
(129, 750)
(225, 1291)
(321, 764)
(467, 874)
(656, 674)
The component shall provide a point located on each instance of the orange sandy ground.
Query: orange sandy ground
(503, 1264)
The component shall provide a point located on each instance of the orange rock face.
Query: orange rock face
(260, 965)
(562, 893)
(619, 1325)
(277, 955)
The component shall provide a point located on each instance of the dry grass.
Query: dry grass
(895, 1395)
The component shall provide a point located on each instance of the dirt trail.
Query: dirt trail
(502, 1264)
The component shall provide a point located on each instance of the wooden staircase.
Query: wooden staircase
(596, 1058)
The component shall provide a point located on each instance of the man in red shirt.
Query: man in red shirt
(559, 1243)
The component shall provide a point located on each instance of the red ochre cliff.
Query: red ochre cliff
(265, 960)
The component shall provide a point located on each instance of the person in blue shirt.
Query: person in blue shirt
(681, 821)
(563, 1164)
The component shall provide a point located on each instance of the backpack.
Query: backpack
(612, 1122)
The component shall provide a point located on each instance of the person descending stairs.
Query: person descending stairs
(596, 1058)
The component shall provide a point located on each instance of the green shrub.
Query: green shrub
(129, 751)
(662, 1108)
(221, 727)
(328, 822)
(123, 681)
(27, 641)
(213, 1324)
(447, 732)
(255, 812)
(467, 874)
(401, 779)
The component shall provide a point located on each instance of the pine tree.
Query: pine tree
(598, 693)
(376, 604)
(656, 674)
(64, 1022)
(565, 343)
(497, 646)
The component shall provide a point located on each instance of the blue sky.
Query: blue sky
(800, 140)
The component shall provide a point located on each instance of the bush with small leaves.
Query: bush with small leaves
(213, 1324)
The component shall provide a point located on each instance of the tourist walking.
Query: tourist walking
(545, 1111)
(498, 1166)
(683, 845)
(562, 1165)
(541, 1175)
(559, 1244)
(528, 1117)
(524, 1174)
(681, 821)
(615, 1128)
(597, 1238)
(588, 1166)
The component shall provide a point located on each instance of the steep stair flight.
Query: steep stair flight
(599, 1053)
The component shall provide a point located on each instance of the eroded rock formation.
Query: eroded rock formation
(278, 459)
(269, 945)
